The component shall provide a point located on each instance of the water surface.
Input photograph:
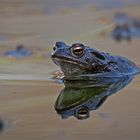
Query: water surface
(27, 91)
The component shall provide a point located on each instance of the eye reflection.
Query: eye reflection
(82, 113)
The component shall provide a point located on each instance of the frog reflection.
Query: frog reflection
(79, 98)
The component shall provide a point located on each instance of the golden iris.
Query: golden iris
(78, 50)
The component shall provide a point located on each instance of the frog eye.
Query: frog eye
(77, 49)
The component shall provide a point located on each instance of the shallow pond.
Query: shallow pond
(31, 101)
(27, 112)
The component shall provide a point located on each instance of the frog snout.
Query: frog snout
(60, 44)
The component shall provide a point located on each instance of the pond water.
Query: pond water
(35, 106)
(27, 112)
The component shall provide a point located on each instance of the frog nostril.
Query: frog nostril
(54, 48)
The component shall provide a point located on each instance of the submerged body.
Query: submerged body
(79, 60)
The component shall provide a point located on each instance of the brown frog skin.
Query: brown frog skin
(79, 59)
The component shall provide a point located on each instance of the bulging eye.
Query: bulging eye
(77, 49)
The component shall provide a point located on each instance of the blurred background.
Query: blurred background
(38, 24)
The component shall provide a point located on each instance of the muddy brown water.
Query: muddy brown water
(27, 112)
(27, 90)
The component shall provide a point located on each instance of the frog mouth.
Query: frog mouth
(60, 59)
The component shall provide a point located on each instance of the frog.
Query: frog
(78, 59)
(126, 27)
(120, 33)
(19, 52)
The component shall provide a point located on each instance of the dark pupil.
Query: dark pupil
(82, 112)
(78, 51)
